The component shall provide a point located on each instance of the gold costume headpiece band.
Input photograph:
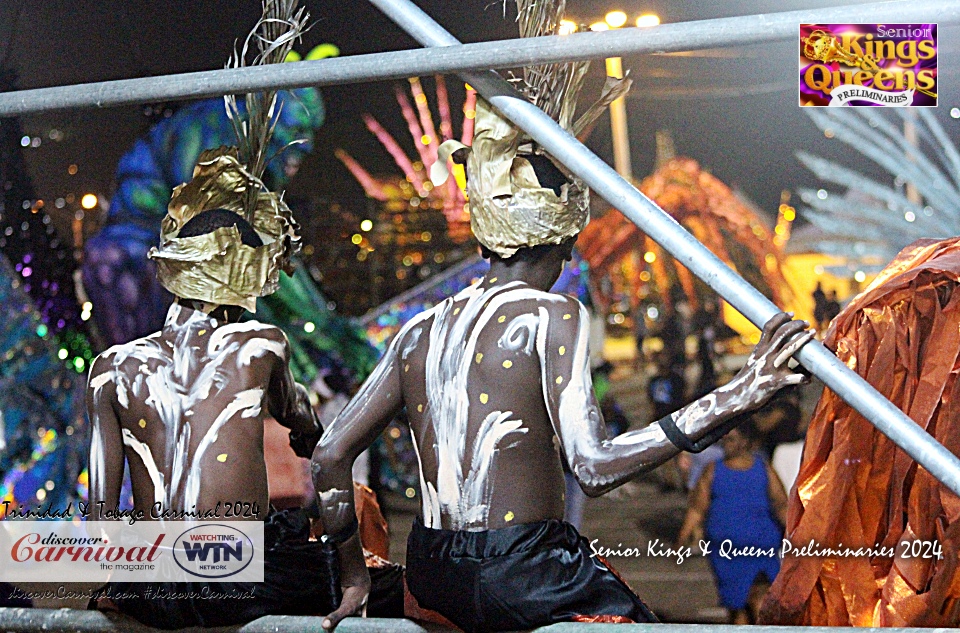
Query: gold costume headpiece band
(509, 209)
(217, 267)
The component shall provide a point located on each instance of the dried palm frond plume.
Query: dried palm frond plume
(553, 88)
(280, 27)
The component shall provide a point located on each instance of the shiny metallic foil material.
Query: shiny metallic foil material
(856, 487)
(217, 267)
(509, 210)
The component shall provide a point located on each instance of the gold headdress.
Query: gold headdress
(509, 209)
(217, 267)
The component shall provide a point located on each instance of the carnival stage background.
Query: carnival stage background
(787, 198)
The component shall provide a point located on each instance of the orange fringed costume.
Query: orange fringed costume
(855, 486)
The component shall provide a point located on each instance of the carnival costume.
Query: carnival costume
(217, 269)
(856, 489)
(529, 575)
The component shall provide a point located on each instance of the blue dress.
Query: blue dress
(740, 513)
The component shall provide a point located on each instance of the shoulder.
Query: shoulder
(123, 360)
(251, 339)
(249, 330)
(115, 357)
(705, 480)
(418, 319)
(561, 313)
(710, 470)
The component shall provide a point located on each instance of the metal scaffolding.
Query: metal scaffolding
(683, 36)
(74, 621)
(453, 56)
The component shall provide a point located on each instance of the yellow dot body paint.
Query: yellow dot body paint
(484, 397)
(222, 457)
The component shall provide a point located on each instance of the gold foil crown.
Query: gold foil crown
(217, 267)
(509, 209)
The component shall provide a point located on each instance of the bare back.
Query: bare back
(471, 381)
(185, 408)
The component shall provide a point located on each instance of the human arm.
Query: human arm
(601, 464)
(289, 402)
(105, 470)
(697, 508)
(357, 426)
(778, 495)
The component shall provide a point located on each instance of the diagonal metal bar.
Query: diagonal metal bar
(684, 36)
(892, 422)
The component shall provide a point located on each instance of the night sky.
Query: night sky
(733, 110)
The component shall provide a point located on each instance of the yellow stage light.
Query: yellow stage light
(88, 201)
(616, 19)
(648, 19)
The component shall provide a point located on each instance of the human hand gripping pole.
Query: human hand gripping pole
(765, 372)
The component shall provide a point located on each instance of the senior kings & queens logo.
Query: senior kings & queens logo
(868, 65)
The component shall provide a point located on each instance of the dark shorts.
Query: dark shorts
(300, 578)
(519, 577)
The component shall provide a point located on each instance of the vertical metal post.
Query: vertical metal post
(618, 124)
(892, 422)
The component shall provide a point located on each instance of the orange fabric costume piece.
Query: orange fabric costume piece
(373, 527)
(856, 487)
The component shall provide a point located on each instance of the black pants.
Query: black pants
(519, 577)
(300, 578)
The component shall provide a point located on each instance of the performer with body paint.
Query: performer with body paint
(494, 379)
(185, 406)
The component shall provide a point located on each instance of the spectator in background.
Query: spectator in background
(667, 393)
(833, 307)
(778, 421)
(667, 387)
(820, 308)
(640, 332)
(739, 498)
(673, 333)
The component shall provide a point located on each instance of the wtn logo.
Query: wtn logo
(220, 551)
(213, 551)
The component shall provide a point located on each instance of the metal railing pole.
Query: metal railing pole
(683, 36)
(22, 620)
(892, 422)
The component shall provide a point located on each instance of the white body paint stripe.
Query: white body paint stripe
(146, 456)
(180, 378)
